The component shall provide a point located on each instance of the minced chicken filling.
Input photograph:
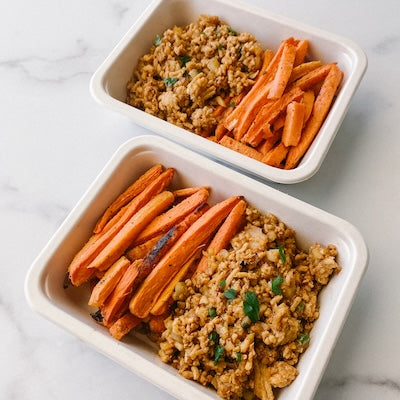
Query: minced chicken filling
(242, 325)
(191, 69)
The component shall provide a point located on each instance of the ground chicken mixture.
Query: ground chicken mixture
(191, 69)
(242, 325)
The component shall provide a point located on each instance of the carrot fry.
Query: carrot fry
(169, 265)
(276, 156)
(166, 221)
(141, 250)
(156, 323)
(123, 239)
(108, 282)
(269, 143)
(115, 303)
(304, 69)
(321, 107)
(132, 191)
(267, 58)
(283, 73)
(301, 52)
(225, 233)
(124, 325)
(159, 306)
(240, 148)
(166, 242)
(308, 101)
(218, 111)
(317, 75)
(186, 192)
(278, 123)
(293, 124)
(78, 271)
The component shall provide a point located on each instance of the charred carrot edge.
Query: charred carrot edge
(304, 69)
(165, 243)
(271, 112)
(321, 108)
(116, 303)
(141, 250)
(186, 192)
(108, 282)
(78, 271)
(129, 232)
(124, 198)
(283, 72)
(166, 221)
(293, 124)
(301, 52)
(275, 156)
(124, 325)
(169, 265)
(242, 148)
(225, 233)
(159, 306)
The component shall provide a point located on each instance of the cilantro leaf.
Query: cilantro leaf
(304, 339)
(219, 350)
(214, 337)
(239, 356)
(251, 306)
(212, 312)
(233, 105)
(184, 60)
(301, 306)
(231, 31)
(170, 81)
(276, 285)
(157, 40)
(230, 294)
(222, 283)
(282, 254)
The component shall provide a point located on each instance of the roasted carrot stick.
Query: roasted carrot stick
(108, 282)
(156, 323)
(283, 72)
(225, 233)
(184, 248)
(309, 80)
(303, 69)
(124, 325)
(301, 52)
(293, 124)
(240, 148)
(78, 271)
(276, 156)
(141, 250)
(308, 101)
(186, 192)
(129, 232)
(166, 221)
(267, 58)
(269, 143)
(115, 303)
(320, 110)
(124, 198)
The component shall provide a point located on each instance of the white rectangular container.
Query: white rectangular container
(68, 307)
(108, 84)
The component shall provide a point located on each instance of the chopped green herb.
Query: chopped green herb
(212, 312)
(213, 336)
(239, 356)
(220, 47)
(282, 254)
(240, 49)
(276, 285)
(222, 283)
(231, 31)
(230, 294)
(170, 81)
(184, 60)
(233, 105)
(245, 325)
(301, 306)
(157, 40)
(219, 350)
(304, 339)
(251, 306)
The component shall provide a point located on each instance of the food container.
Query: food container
(108, 84)
(68, 307)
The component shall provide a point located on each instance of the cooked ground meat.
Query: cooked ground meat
(192, 69)
(242, 325)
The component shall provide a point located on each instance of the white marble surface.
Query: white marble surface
(54, 139)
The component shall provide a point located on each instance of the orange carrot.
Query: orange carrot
(276, 156)
(308, 101)
(240, 148)
(184, 248)
(267, 58)
(124, 198)
(269, 143)
(124, 325)
(303, 69)
(108, 282)
(293, 124)
(320, 110)
(141, 250)
(186, 192)
(301, 52)
(317, 75)
(129, 232)
(166, 221)
(156, 323)
(225, 233)
(78, 271)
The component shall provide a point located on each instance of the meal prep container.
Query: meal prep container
(68, 307)
(108, 84)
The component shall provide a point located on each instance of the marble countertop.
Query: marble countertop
(54, 140)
